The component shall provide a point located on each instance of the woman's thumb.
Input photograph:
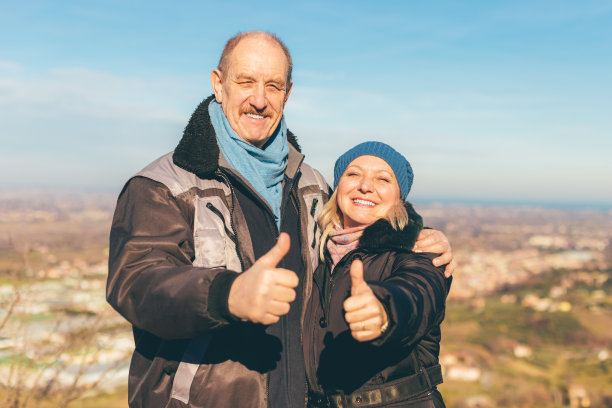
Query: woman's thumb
(356, 276)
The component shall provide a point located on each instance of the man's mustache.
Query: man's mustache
(267, 112)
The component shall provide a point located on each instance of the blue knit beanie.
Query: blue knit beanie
(401, 167)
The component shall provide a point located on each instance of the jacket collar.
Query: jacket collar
(198, 151)
(381, 236)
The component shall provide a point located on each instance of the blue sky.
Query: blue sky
(496, 101)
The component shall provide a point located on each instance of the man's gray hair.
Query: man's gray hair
(233, 42)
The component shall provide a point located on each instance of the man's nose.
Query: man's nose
(258, 98)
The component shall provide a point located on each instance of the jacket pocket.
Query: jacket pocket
(210, 248)
(210, 237)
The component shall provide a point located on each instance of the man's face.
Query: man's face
(254, 89)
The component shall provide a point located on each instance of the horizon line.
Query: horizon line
(429, 200)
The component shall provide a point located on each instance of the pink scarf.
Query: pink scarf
(342, 241)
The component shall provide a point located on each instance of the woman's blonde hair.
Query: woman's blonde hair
(331, 217)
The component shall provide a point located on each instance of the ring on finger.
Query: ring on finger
(362, 326)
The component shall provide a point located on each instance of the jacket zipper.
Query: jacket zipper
(332, 281)
(328, 292)
(310, 368)
(292, 195)
(304, 300)
(232, 194)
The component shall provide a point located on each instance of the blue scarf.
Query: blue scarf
(264, 169)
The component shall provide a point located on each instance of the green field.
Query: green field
(565, 346)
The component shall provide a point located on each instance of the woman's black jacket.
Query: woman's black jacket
(412, 290)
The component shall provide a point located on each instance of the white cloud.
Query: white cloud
(68, 91)
(84, 121)
(9, 66)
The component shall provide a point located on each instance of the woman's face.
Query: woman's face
(366, 191)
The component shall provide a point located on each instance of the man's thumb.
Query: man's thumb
(356, 275)
(277, 252)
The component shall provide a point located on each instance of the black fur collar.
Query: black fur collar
(198, 151)
(381, 236)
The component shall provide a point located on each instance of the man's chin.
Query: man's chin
(256, 139)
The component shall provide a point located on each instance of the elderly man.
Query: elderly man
(212, 246)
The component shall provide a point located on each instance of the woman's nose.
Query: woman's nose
(365, 184)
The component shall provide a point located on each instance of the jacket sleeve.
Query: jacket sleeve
(152, 281)
(414, 296)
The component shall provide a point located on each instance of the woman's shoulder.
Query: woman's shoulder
(382, 237)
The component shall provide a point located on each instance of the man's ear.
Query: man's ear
(216, 79)
(288, 92)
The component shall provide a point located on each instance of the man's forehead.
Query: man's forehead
(257, 56)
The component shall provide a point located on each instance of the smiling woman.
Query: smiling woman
(367, 191)
(378, 346)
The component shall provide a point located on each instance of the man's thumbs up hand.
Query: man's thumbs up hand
(263, 292)
(363, 311)
(277, 252)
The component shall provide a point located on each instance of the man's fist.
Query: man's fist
(263, 292)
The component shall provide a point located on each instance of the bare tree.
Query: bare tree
(59, 365)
